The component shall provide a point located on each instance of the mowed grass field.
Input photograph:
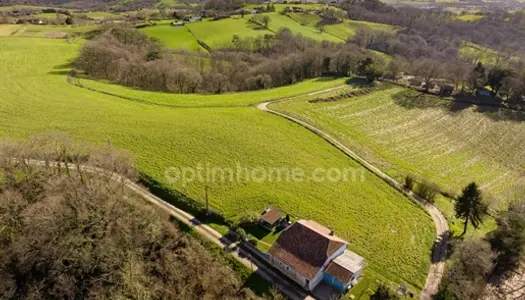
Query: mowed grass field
(404, 132)
(349, 28)
(49, 31)
(219, 33)
(391, 232)
(173, 37)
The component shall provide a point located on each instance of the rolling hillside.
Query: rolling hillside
(378, 221)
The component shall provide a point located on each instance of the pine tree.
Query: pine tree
(470, 207)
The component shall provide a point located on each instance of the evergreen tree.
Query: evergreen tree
(470, 207)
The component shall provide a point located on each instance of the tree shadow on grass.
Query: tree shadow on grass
(491, 107)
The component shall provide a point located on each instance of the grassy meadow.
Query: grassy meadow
(219, 33)
(474, 52)
(173, 37)
(404, 132)
(391, 232)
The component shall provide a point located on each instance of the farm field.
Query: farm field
(52, 31)
(348, 28)
(469, 17)
(8, 29)
(219, 33)
(485, 55)
(403, 132)
(173, 37)
(379, 223)
(279, 21)
(101, 15)
(226, 100)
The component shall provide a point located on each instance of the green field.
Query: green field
(473, 52)
(348, 28)
(219, 33)
(52, 31)
(469, 18)
(101, 15)
(451, 144)
(173, 37)
(278, 21)
(8, 29)
(391, 232)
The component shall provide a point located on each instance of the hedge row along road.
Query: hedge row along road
(437, 268)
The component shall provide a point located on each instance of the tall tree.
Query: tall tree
(478, 78)
(470, 207)
(509, 238)
(495, 78)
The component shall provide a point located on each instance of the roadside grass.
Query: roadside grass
(404, 132)
(394, 234)
(8, 29)
(219, 33)
(173, 37)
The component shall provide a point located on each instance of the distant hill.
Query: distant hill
(86, 4)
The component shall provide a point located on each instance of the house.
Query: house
(270, 217)
(344, 270)
(177, 23)
(308, 253)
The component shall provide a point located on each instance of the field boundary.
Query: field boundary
(437, 268)
(76, 82)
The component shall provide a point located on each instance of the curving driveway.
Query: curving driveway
(437, 269)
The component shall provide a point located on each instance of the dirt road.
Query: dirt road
(437, 268)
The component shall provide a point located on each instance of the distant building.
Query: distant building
(309, 253)
(177, 23)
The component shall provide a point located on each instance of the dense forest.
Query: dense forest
(69, 234)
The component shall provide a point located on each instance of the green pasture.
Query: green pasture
(278, 21)
(53, 31)
(473, 52)
(452, 144)
(391, 232)
(469, 17)
(348, 28)
(173, 37)
(219, 33)
(101, 15)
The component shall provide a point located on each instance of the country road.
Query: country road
(437, 268)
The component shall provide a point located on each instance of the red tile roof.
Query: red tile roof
(305, 248)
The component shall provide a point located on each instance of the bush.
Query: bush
(252, 240)
(409, 182)
(241, 234)
(427, 190)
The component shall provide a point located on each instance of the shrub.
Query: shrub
(409, 182)
(427, 190)
(241, 234)
(252, 240)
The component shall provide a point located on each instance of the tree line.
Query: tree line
(127, 56)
